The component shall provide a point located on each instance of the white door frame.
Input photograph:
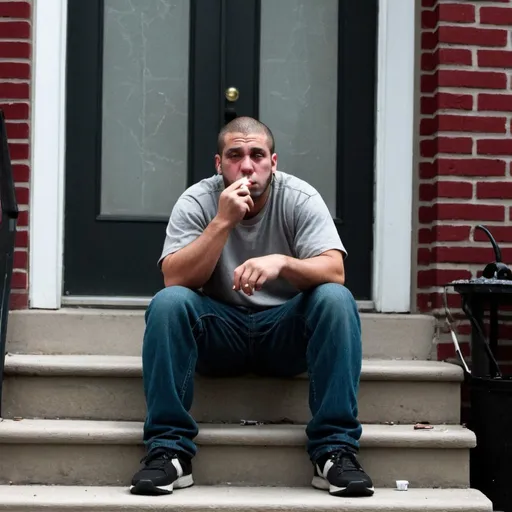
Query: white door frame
(393, 162)
(48, 144)
(392, 252)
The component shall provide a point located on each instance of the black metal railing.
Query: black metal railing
(8, 220)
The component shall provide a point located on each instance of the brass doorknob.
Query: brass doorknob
(232, 93)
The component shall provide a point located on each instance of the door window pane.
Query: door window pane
(145, 106)
(298, 88)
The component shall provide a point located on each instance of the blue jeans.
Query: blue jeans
(318, 330)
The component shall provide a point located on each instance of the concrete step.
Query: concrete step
(119, 332)
(110, 388)
(73, 452)
(237, 499)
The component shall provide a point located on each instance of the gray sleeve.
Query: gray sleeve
(186, 223)
(315, 231)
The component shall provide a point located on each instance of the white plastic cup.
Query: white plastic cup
(402, 485)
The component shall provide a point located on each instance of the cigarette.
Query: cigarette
(245, 184)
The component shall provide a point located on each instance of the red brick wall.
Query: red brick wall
(465, 149)
(15, 74)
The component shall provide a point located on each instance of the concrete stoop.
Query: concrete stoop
(237, 499)
(110, 388)
(107, 453)
(73, 406)
(120, 332)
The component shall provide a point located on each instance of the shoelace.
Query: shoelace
(345, 461)
(157, 458)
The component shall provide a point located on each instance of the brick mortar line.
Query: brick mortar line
(474, 56)
(456, 177)
(441, 45)
(466, 67)
(469, 113)
(467, 179)
(462, 179)
(459, 67)
(440, 179)
(464, 202)
(15, 60)
(477, 3)
(464, 90)
(436, 289)
(463, 223)
(452, 201)
(483, 114)
(476, 244)
(476, 68)
(470, 24)
(471, 266)
(462, 243)
(456, 111)
(17, 40)
(449, 266)
(475, 135)
(471, 224)
(466, 135)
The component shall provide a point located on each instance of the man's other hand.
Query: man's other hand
(254, 273)
(235, 203)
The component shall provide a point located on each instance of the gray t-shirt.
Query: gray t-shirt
(295, 221)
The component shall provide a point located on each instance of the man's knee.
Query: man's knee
(172, 298)
(334, 295)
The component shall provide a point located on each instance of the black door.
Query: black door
(148, 88)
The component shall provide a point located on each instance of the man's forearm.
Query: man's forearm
(193, 265)
(305, 274)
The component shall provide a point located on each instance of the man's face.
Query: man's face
(247, 156)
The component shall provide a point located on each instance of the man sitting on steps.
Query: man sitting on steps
(253, 269)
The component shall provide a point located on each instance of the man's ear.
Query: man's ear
(217, 164)
(274, 161)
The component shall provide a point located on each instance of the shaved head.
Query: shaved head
(246, 126)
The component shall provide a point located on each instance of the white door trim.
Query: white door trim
(394, 157)
(48, 142)
(394, 147)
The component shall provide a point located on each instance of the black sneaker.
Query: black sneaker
(341, 474)
(163, 471)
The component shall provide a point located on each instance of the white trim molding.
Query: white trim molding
(48, 139)
(394, 157)
(393, 161)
